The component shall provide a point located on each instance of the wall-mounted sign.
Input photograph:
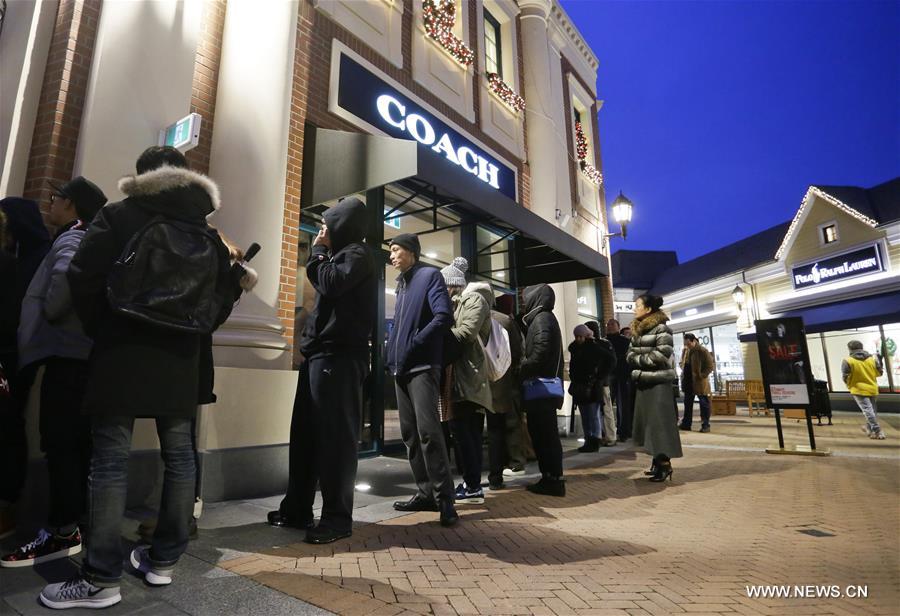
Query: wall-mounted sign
(374, 101)
(183, 134)
(623, 306)
(858, 262)
(784, 358)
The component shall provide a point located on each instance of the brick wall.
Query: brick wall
(206, 79)
(61, 103)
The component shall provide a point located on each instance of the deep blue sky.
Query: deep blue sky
(718, 115)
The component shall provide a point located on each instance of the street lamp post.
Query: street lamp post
(621, 211)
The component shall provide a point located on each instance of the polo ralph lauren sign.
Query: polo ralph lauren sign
(371, 99)
(839, 267)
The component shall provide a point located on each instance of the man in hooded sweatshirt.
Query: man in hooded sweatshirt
(329, 401)
(543, 359)
(50, 334)
(140, 369)
(861, 371)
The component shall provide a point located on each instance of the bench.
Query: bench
(749, 392)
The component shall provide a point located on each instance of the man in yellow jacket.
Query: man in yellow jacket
(861, 371)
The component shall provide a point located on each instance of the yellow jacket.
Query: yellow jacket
(861, 372)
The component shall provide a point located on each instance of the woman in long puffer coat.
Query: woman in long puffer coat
(652, 373)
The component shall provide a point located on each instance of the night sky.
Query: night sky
(718, 115)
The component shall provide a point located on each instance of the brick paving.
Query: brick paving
(619, 545)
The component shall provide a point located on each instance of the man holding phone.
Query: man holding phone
(328, 405)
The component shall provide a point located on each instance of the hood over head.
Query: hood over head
(26, 225)
(860, 354)
(482, 288)
(173, 191)
(346, 222)
(539, 296)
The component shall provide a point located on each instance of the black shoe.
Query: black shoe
(704, 429)
(548, 486)
(663, 468)
(496, 485)
(277, 518)
(417, 503)
(449, 517)
(317, 535)
(591, 445)
(683, 427)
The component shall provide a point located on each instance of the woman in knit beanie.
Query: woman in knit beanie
(455, 274)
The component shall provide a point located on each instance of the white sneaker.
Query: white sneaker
(78, 592)
(514, 472)
(877, 435)
(153, 575)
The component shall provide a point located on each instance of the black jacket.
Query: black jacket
(344, 313)
(135, 369)
(543, 340)
(590, 364)
(422, 317)
(620, 346)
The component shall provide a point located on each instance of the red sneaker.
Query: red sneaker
(44, 548)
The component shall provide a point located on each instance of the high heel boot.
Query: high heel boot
(663, 468)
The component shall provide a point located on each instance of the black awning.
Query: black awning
(544, 253)
(338, 163)
(847, 314)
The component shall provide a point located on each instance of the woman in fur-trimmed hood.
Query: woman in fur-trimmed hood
(650, 356)
(136, 370)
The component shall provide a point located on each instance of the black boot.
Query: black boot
(652, 470)
(549, 486)
(663, 468)
(591, 445)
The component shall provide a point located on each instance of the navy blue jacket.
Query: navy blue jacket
(422, 317)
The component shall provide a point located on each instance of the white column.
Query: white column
(249, 162)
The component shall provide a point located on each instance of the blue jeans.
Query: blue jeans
(869, 407)
(590, 419)
(108, 489)
(688, 418)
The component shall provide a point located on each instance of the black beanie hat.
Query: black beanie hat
(409, 241)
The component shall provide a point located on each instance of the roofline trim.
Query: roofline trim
(788, 240)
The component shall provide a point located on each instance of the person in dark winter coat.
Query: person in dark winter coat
(328, 406)
(650, 357)
(51, 335)
(139, 370)
(26, 242)
(506, 397)
(696, 366)
(589, 365)
(607, 411)
(423, 315)
(543, 358)
(620, 379)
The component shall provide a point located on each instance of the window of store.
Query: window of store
(828, 233)
(728, 355)
(835, 345)
(891, 354)
(817, 361)
(493, 47)
(493, 257)
(589, 300)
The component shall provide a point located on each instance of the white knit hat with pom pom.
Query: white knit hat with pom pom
(455, 273)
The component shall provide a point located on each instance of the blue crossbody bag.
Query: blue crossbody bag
(543, 388)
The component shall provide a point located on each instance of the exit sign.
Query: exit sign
(183, 134)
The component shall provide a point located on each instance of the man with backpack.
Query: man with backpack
(149, 281)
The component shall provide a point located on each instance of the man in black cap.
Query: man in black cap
(422, 317)
(328, 406)
(51, 334)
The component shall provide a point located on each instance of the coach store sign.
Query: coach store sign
(371, 99)
(858, 262)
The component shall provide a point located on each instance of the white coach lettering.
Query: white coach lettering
(384, 104)
(464, 153)
(413, 123)
(446, 146)
(487, 172)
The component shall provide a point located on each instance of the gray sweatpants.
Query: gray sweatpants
(420, 427)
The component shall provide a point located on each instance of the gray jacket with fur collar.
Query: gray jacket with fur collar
(651, 350)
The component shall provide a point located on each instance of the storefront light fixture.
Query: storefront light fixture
(738, 296)
(622, 209)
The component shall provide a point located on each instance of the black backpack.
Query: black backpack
(167, 277)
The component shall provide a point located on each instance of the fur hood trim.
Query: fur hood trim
(168, 178)
(652, 320)
(249, 279)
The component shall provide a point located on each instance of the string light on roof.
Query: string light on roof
(817, 192)
(440, 17)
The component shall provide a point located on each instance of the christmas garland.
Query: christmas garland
(440, 17)
(581, 150)
(506, 94)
